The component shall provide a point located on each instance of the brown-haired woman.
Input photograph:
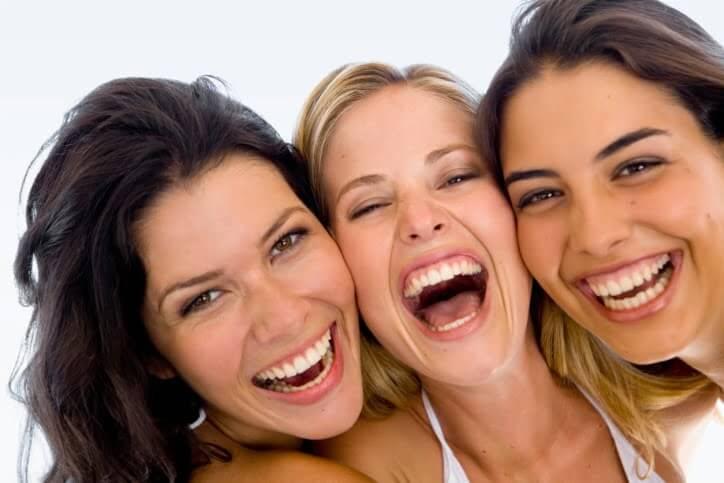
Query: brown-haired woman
(605, 125)
(181, 329)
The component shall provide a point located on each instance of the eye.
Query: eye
(200, 301)
(459, 178)
(288, 241)
(631, 168)
(537, 197)
(366, 209)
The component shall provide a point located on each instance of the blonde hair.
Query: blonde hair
(629, 395)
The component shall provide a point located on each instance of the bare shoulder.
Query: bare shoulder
(279, 466)
(398, 448)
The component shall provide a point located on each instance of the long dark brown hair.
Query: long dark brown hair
(85, 380)
(651, 41)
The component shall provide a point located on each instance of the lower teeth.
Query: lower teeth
(642, 297)
(281, 386)
(454, 324)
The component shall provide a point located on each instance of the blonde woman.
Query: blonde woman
(430, 241)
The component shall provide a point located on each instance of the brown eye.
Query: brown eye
(201, 301)
(288, 241)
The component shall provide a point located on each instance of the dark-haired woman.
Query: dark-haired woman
(605, 125)
(192, 319)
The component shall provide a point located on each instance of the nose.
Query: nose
(598, 224)
(278, 312)
(420, 220)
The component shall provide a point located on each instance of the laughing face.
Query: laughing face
(619, 197)
(251, 304)
(427, 236)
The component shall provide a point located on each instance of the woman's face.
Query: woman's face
(249, 301)
(428, 237)
(619, 197)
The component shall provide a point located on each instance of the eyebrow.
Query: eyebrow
(624, 141)
(199, 279)
(629, 139)
(371, 179)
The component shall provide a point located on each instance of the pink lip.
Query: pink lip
(466, 328)
(643, 311)
(320, 391)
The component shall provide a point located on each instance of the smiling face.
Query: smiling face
(619, 197)
(428, 237)
(250, 302)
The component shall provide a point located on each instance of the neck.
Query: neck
(706, 354)
(221, 430)
(519, 414)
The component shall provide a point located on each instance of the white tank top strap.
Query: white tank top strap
(452, 469)
(632, 462)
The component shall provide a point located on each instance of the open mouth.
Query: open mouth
(306, 370)
(448, 294)
(634, 287)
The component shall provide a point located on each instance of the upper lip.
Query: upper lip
(618, 266)
(432, 257)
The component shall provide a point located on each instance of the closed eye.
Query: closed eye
(367, 209)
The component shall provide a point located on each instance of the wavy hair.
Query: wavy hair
(86, 382)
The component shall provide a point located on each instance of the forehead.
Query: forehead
(396, 123)
(219, 212)
(581, 109)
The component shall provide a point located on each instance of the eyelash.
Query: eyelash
(641, 165)
(537, 197)
(200, 301)
(288, 241)
(451, 181)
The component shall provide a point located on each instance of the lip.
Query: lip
(643, 311)
(468, 327)
(320, 391)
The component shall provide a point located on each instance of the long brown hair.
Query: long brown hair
(656, 43)
(86, 383)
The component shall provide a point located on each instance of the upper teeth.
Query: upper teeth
(437, 273)
(300, 363)
(628, 280)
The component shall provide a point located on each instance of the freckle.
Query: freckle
(632, 202)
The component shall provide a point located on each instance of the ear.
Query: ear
(160, 368)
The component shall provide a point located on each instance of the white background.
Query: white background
(272, 53)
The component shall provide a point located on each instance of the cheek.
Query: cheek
(541, 246)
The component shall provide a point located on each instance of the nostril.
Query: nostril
(438, 227)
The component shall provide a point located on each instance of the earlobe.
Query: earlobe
(160, 368)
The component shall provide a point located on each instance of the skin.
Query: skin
(259, 299)
(426, 193)
(659, 194)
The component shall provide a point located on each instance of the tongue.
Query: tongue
(446, 311)
(306, 376)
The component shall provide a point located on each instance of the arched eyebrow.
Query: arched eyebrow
(628, 139)
(618, 144)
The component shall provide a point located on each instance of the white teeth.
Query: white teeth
(439, 273)
(301, 363)
(454, 324)
(634, 278)
(642, 297)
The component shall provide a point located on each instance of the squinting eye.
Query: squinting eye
(537, 197)
(458, 179)
(360, 212)
(200, 302)
(287, 241)
(635, 167)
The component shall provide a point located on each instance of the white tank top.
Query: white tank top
(453, 471)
